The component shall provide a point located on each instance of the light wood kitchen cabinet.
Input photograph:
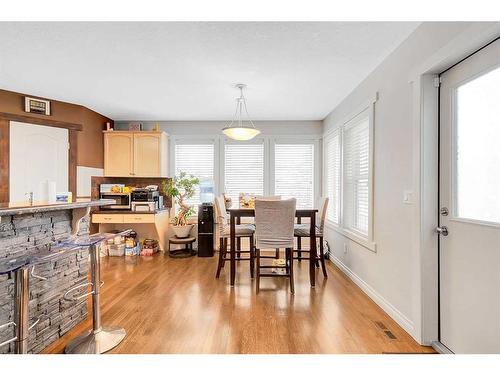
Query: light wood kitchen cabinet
(135, 154)
(118, 154)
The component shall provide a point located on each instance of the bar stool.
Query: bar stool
(100, 339)
(22, 268)
(19, 269)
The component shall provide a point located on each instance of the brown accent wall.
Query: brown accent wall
(85, 127)
(12, 103)
(91, 139)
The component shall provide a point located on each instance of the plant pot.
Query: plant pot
(182, 231)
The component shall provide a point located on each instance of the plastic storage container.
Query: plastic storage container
(116, 250)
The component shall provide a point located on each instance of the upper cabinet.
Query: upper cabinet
(135, 154)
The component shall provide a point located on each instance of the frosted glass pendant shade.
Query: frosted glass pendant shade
(240, 133)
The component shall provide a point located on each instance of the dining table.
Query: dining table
(235, 215)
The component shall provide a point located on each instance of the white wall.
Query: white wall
(388, 275)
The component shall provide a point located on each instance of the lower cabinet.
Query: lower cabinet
(147, 225)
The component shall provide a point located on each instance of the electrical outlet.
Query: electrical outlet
(346, 248)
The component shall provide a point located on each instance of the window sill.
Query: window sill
(372, 246)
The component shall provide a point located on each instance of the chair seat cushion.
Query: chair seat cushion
(302, 230)
(241, 230)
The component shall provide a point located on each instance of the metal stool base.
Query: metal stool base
(96, 342)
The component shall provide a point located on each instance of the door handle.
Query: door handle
(442, 230)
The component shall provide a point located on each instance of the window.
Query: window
(356, 174)
(294, 173)
(195, 159)
(477, 160)
(331, 175)
(243, 169)
(347, 177)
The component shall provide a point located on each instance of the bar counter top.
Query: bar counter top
(24, 207)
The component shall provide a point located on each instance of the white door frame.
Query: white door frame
(425, 288)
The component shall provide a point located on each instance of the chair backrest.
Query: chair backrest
(221, 214)
(323, 205)
(268, 198)
(274, 223)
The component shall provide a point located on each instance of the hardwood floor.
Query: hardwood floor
(177, 306)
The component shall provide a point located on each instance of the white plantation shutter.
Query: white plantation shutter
(243, 169)
(332, 175)
(294, 173)
(195, 159)
(356, 162)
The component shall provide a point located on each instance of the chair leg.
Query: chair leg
(322, 257)
(277, 255)
(238, 247)
(252, 264)
(224, 252)
(287, 263)
(257, 282)
(299, 247)
(221, 257)
(315, 254)
(290, 272)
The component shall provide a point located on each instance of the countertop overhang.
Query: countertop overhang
(20, 208)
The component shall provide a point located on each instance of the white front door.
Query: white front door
(37, 154)
(470, 191)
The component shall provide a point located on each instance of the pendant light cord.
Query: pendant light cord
(239, 110)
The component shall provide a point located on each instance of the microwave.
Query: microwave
(122, 201)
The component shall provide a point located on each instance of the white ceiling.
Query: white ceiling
(185, 71)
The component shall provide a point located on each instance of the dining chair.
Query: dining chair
(270, 198)
(274, 225)
(303, 230)
(223, 231)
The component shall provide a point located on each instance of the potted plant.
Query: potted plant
(181, 188)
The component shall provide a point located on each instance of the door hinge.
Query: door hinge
(437, 81)
(69, 145)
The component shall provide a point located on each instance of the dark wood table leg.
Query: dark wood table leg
(232, 229)
(312, 250)
(238, 240)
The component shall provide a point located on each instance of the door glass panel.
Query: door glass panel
(478, 148)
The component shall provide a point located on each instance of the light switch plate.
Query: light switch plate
(408, 197)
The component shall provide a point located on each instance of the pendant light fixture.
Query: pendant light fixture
(239, 129)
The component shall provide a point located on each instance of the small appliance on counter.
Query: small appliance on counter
(146, 199)
(115, 192)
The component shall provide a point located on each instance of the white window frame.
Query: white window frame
(220, 141)
(453, 192)
(317, 161)
(175, 140)
(335, 132)
(222, 161)
(368, 240)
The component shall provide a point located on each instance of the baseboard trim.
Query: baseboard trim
(393, 312)
(440, 348)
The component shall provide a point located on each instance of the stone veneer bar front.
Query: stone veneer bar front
(25, 230)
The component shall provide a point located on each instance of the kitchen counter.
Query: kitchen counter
(24, 207)
(26, 230)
